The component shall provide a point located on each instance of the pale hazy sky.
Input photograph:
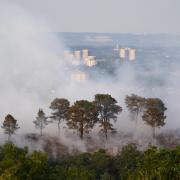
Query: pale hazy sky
(122, 16)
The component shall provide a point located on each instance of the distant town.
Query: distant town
(84, 58)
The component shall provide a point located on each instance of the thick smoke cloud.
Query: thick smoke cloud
(30, 68)
(33, 73)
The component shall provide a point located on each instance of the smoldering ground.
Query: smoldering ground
(33, 73)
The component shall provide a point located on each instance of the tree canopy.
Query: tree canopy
(153, 163)
(82, 117)
(10, 125)
(41, 121)
(135, 105)
(154, 113)
(60, 107)
(108, 110)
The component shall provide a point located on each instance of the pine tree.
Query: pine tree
(60, 107)
(108, 110)
(154, 113)
(41, 121)
(135, 105)
(10, 126)
(82, 117)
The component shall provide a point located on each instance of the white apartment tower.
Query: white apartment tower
(78, 76)
(132, 54)
(77, 55)
(122, 53)
(85, 54)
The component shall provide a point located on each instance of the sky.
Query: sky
(113, 16)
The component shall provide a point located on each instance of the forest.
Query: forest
(128, 162)
(151, 164)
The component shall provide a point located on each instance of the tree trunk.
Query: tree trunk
(81, 132)
(9, 137)
(59, 126)
(106, 135)
(154, 132)
(81, 135)
(136, 120)
(105, 129)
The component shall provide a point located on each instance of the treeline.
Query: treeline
(151, 164)
(103, 111)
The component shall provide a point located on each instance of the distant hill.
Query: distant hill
(111, 39)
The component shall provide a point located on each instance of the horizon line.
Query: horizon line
(128, 33)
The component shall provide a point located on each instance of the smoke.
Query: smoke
(30, 68)
(33, 73)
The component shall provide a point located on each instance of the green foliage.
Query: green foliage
(76, 173)
(82, 117)
(108, 110)
(130, 164)
(38, 163)
(105, 176)
(127, 159)
(163, 164)
(60, 107)
(10, 125)
(135, 105)
(154, 113)
(41, 121)
(12, 161)
(16, 163)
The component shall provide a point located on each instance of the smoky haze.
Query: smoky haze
(33, 73)
(120, 16)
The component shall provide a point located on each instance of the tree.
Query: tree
(126, 161)
(135, 105)
(82, 116)
(60, 108)
(38, 166)
(41, 120)
(10, 126)
(108, 110)
(158, 163)
(78, 173)
(12, 161)
(154, 113)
